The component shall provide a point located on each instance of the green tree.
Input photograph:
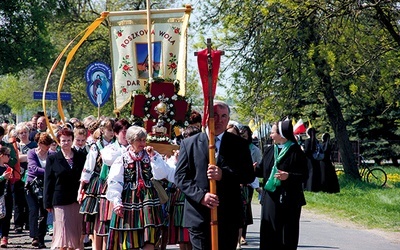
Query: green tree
(307, 59)
(24, 37)
(17, 93)
(34, 32)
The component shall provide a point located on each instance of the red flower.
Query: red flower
(124, 90)
(176, 31)
(170, 54)
(127, 56)
(126, 67)
(119, 33)
(173, 65)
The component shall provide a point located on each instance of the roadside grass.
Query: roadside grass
(362, 203)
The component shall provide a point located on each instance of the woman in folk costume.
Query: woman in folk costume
(137, 211)
(284, 169)
(90, 190)
(108, 155)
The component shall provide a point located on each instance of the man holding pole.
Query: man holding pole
(233, 167)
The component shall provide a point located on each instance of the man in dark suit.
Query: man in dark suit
(234, 167)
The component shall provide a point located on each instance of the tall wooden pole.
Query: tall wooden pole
(211, 147)
(208, 62)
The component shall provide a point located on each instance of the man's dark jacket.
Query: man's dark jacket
(234, 159)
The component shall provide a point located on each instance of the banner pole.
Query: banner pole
(208, 61)
(149, 43)
(211, 129)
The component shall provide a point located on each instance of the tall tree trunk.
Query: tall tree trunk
(335, 115)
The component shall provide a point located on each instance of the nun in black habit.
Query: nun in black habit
(284, 169)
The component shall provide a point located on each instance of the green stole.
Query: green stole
(273, 182)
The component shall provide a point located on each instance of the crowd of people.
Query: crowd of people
(96, 181)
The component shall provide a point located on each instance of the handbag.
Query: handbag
(3, 202)
(37, 187)
(162, 194)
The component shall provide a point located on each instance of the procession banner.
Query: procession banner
(130, 55)
(98, 77)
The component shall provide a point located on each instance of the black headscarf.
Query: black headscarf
(285, 129)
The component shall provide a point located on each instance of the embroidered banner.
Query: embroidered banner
(129, 41)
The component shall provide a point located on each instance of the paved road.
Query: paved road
(319, 233)
(316, 233)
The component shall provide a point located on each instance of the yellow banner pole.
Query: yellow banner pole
(71, 54)
(47, 82)
(87, 32)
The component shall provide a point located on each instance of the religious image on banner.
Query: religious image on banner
(129, 46)
(99, 83)
(142, 57)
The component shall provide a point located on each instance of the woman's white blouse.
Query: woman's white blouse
(160, 170)
(90, 164)
(110, 153)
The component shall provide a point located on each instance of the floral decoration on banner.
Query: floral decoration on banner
(123, 90)
(118, 33)
(125, 65)
(177, 30)
(173, 63)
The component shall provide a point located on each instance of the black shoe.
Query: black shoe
(42, 246)
(35, 243)
(87, 244)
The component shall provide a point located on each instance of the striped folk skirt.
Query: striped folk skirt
(90, 204)
(141, 220)
(176, 232)
(102, 225)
